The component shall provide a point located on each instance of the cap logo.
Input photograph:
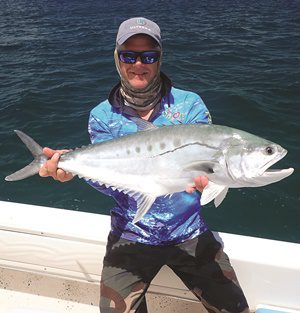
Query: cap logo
(141, 21)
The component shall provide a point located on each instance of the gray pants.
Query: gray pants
(201, 263)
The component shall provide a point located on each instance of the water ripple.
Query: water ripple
(243, 58)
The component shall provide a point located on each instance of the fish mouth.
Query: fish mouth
(270, 175)
(279, 156)
(278, 172)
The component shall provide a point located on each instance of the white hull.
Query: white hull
(51, 260)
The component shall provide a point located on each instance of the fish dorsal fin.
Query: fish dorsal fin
(213, 191)
(207, 167)
(142, 124)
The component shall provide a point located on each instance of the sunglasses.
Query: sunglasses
(147, 57)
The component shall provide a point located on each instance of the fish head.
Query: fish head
(248, 161)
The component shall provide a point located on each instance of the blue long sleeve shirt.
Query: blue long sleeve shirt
(171, 219)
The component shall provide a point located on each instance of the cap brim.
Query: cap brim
(121, 40)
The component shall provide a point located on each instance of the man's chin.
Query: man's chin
(139, 83)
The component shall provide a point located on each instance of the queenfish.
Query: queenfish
(160, 161)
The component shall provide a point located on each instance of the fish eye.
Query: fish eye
(269, 150)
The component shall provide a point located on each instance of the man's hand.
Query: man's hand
(199, 184)
(50, 167)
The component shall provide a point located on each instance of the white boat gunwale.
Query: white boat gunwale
(69, 246)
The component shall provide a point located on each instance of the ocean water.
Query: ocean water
(242, 58)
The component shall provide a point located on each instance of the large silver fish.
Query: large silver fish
(163, 160)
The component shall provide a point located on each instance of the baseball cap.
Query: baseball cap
(138, 25)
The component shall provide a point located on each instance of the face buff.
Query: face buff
(140, 99)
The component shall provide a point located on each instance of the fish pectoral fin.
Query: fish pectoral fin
(207, 167)
(144, 203)
(220, 197)
(213, 191)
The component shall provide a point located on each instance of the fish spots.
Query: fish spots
(162, 145)
(137, 149)
(149, 148)
(176, 142)
(128, 152)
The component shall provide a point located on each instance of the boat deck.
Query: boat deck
(51, 259)
(24, 292)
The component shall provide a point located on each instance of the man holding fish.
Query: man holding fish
(173, 232)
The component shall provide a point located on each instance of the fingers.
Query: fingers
(50, 168)
(200, 183)
(52, 165)
(48, 152)
(190, 188)
(63, 176)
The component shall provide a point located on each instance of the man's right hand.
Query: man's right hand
(200, 182)
(50, 167)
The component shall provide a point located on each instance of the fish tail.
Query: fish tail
(34, 167)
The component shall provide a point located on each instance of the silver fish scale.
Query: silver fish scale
(153, 159)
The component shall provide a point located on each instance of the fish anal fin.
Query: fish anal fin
(144, 203)
(213, 191)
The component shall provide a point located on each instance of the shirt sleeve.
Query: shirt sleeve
(99, 132)
(198, 112)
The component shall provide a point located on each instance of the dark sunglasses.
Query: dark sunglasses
(147, 57)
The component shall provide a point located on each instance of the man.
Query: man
(173, 232)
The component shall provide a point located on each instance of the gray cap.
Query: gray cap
(138, 25)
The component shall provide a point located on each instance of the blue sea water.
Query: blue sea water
(242, 57)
